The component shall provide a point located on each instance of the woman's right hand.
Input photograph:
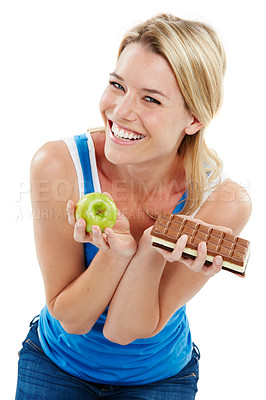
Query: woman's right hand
(117, 240)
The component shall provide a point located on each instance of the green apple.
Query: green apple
(96, 209)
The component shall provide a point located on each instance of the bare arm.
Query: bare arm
(75, 296)
(155, 285)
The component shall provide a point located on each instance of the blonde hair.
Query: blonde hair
(198, 61)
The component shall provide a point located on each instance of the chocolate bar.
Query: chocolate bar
(169, 227)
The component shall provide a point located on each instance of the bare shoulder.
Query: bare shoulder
(51, 156)
(228, 205)
(52, 166)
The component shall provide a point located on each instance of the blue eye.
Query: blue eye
(151, 100)
(116, 85)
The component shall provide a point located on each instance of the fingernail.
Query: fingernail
(219, 260)
(94, 231)
(80, 223)
(184, 239)
(68, 204)
(203, 246)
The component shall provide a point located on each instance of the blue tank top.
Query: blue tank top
(94, 358)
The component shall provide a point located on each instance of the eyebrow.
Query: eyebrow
(153, 91)
(115, 75)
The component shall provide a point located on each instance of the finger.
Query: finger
(148, 230)
(71, 212)
(176, 254)
(166, 254)
(119, 213)
(121, 224)
(213, 269)
(179, 248)
(108, 194)
(110, 236)
(98, 239)
(199, 261)
(80, 231)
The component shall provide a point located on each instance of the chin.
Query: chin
(115, 157)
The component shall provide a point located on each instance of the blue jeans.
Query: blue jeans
(40, 379)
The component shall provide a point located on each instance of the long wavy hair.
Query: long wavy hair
(198, 61)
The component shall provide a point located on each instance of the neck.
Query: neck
(149, 181)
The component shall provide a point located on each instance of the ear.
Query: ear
(194, 126)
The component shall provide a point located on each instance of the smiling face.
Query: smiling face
(143, 110)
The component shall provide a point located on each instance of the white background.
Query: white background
(55, 60)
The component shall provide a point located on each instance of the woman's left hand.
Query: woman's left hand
(198, 264)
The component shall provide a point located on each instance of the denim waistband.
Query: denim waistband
(196, 352)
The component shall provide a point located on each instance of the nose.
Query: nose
(125, 107)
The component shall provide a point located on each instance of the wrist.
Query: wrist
(150, 253)
(145, 243)
(121, 245)
(123, 257)
(116, 257)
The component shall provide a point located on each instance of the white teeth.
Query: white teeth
(123, 134)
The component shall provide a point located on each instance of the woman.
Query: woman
(115, 323)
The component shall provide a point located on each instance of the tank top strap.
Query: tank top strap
(181, 204)
(91, 179)
(84, 156)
